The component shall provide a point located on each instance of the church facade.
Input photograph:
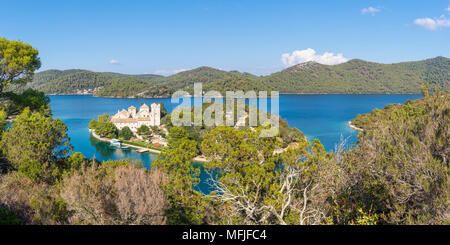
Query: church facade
(134, 119)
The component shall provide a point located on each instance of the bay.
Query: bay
(324, 117)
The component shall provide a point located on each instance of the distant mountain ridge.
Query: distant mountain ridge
(361, 77)
(353, 77)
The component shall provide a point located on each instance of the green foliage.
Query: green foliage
(238, 83)
(425, 89)
(186, 204)
(400, 168)
(104, 84)
(33, 169)
(158, 131)
(185, 80)
(259, 187)
(72, 83)
(143, 130)
(18, 61)
(227, 146)
(287, 134)
(92, 124)
(34, 139)
(76, 160)
(33, 99)
(104, 127)
(8, 217)
(49, 207)
(3, 122)
(163, 111)
(134, 88)
(176, 134)
(104, 118)
(367, 218)
(125, 133)
(361, 77)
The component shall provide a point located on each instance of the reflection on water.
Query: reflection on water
(106, 151)
(103, 148)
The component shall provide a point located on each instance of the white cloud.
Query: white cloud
(433, 24)
(179, 70)
(161, 72)
(448, 9)
(169, 72)
(370, 10)
(114, 62)
(301, 56)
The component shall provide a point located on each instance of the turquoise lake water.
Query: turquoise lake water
(324, 117)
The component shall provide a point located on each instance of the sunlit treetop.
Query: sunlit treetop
(18, 61)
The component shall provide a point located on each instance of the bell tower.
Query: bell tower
(132, 111)
(156, 113)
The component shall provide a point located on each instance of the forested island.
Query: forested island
(352, 77)
(155, 137)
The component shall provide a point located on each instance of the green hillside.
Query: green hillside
(74, 83)
(361, 77)
(133, 87)
(353, 77)
(106, 84)
(212, 79)
(236, 83)
(185, 79)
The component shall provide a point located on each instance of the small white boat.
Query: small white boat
(115, 142)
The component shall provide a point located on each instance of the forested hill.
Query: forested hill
(353, 77)
(106, 84)
(202, 74)
(361, 77)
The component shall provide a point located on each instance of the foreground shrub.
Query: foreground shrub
(401, 165)
(8, 217)
(35, 143)
(115, 195)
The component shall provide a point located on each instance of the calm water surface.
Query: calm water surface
(324, 117)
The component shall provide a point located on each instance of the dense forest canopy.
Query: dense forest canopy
(362, 77)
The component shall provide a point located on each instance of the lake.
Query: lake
(324, 117)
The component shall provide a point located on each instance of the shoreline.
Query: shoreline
(348, 93)
(354, 127)
(287, 93)
(196, 159)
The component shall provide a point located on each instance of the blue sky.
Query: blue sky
(166, 36)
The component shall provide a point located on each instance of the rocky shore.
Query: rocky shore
(354, 127)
